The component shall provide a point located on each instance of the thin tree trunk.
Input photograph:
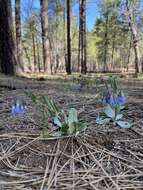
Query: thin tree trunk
(82, 38)
(113, 48)
(79, 37)
(45, 36)
(84, 66)
(79, 50)
(28, 59)
(129, 53)
(106, 44)
(68, 61)
(64, 21)
(142, 66)
(20, 67)
(7, 47)
(34, 51)
(38, 55)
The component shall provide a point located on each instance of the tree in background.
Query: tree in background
(20, 66)
(131, 8)
(45, 36)
(57, 25)
(68, 60)
(32, 27)
(7, 47)
(106, 30)
(82, 37)
(113, 38)
(54, 37)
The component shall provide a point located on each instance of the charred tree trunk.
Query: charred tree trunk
(82, 37)
(7, 46)
(68, 60)
(45, 36)
(20, 67)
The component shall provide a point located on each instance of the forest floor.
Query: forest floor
(103, 158)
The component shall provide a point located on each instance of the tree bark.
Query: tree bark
(68, 60)
(20, 67)
(129, 53)
(45, 36)
(28, 59)
(113, 49)
(7, 47)
(34, 51)
(106, 43)
(131, 22)
(38, 55)
(82, 38)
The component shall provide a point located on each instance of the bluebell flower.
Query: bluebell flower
(112, 100)
(121, 100)
(17, 108)
(108, 100)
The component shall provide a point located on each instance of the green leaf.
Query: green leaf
(72, 116)
(76, 127)
(52, 108)
(119, 116)
(102, 121)
(72, 128)
(109, 112)
(122, 107)
(64, 128)
(123, 124)
(57, 122)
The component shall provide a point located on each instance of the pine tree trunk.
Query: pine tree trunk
(34, 51)
(20, 67)
(28, 59)
(129, 54)
(68, 61)
(38, 55)
(133, 29)
(45, 36)
(113, 48)
(79, 50)
(7, 47)
(64, 21)
(106, 44)
(142, 66)
(82, 38)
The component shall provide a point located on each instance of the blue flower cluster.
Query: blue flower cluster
(17, 108)
(112, 100)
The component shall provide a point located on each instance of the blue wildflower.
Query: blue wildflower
(17, 108)
(118, 100)
(109, 100)
(121, 100)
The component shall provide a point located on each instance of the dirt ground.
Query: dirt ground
(103, 157)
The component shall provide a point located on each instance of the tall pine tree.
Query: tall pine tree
(7, 46)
